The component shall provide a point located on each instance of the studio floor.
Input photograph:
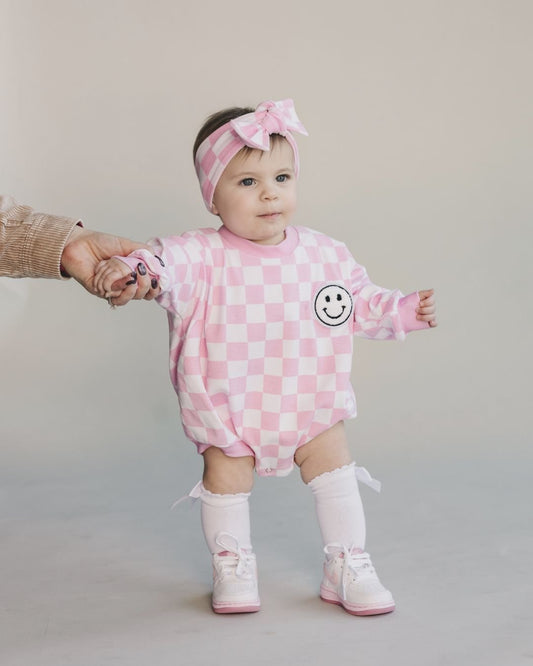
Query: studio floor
(96, 569)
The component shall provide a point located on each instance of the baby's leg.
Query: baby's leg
(326, 466)
(349, 577)
(324, 453)
(225, 474)
(227, 483)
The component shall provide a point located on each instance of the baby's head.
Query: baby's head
(216, 121)
(239, 132)
(247, 164)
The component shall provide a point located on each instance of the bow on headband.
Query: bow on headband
(269, 118)
(252, 130)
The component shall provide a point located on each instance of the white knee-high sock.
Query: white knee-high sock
(339, 507)
(225, 513)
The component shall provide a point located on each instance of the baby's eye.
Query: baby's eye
(247, 182)
(282, 177)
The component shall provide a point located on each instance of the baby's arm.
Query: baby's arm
(383, 314)
(110, 275)
(174, 266)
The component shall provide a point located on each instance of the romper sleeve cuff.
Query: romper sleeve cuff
(154, 265)
(407, 307)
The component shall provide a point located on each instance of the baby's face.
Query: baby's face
(256, 195)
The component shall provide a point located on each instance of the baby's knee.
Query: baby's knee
(324, 453)
(226, 475)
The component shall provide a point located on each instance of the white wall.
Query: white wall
(419, 157)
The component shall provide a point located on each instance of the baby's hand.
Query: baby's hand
(426, 308)
(110, 272)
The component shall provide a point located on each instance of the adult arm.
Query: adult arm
(49, 246)
(31, 243)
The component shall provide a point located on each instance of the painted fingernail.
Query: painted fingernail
(154, 283)
(141, 269)
(160, 260)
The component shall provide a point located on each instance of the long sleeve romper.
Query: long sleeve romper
(261, 337)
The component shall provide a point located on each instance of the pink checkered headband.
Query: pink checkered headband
(252, 130)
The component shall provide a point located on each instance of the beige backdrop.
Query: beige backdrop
(419, 156)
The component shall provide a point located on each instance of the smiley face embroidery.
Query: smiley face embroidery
(333, 305)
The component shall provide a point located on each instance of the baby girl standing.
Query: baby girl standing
(262, 316)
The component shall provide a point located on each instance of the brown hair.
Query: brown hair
(216, 120)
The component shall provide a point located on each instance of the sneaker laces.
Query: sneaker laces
(356, 564)
(230, 546)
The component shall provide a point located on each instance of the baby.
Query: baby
(262, 316)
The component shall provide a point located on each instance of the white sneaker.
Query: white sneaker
(351, 581)
(234, 578)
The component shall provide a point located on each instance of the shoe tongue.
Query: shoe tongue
(352, 551)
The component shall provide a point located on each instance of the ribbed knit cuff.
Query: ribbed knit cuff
(407, 307)
(43, 246)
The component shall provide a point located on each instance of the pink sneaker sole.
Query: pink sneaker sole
(355, 609)
(237, 608)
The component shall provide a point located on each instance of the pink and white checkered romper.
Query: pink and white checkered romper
(261, 337)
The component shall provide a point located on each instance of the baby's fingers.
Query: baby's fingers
(426, 309)
(99, 280)
(104, 282)
(125, 295)
(429, 319)
(427, 314)
(124, 282)
(108, 273)
(426, 294)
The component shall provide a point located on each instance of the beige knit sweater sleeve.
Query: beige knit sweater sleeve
(31, 244)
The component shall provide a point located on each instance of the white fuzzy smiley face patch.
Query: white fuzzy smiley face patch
(333, 305)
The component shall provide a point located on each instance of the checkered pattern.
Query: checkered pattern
(255, 369)
(253, 130)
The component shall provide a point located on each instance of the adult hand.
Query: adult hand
(85, 249)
